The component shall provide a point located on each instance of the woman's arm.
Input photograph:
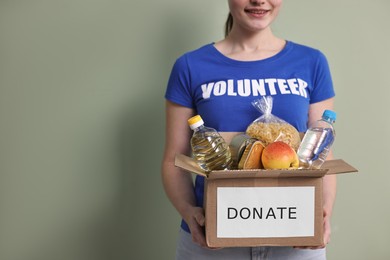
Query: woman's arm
(329, 183)
(178, 184)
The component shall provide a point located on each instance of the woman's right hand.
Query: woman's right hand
(195, 220)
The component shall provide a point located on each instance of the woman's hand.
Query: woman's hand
(195, 221)
(327, 228)
(327, 232)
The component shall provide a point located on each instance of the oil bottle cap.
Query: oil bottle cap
(195, 122)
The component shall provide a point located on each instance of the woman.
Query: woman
(219, 81)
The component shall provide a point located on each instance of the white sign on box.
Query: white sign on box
(249, 212)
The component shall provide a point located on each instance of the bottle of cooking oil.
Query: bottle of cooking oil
(209, 149)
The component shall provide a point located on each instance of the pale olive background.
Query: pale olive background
(82, 121)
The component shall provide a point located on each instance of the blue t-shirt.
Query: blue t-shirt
(221, 89)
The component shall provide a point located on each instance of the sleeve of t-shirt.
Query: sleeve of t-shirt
(178, 90)
(323, 84)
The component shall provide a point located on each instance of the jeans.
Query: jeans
(187, 250)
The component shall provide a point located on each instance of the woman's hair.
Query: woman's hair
(228, 24)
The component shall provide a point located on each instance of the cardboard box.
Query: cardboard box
(264, 207)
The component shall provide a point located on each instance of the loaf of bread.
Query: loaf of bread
(251, 157)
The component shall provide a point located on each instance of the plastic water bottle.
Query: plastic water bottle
(317, 141)
(209, 149)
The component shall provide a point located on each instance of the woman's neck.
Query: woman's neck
(248, 46)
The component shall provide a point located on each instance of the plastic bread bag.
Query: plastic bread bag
(269, 128)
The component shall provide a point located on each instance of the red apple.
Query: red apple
(279, 155)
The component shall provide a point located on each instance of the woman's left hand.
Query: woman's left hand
(327, 232)
(327, 228)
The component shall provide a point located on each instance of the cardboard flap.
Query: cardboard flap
(338, 166)
(188, 164)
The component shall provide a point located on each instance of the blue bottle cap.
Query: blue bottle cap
(329, 114)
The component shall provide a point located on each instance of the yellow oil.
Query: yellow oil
(211, 151)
